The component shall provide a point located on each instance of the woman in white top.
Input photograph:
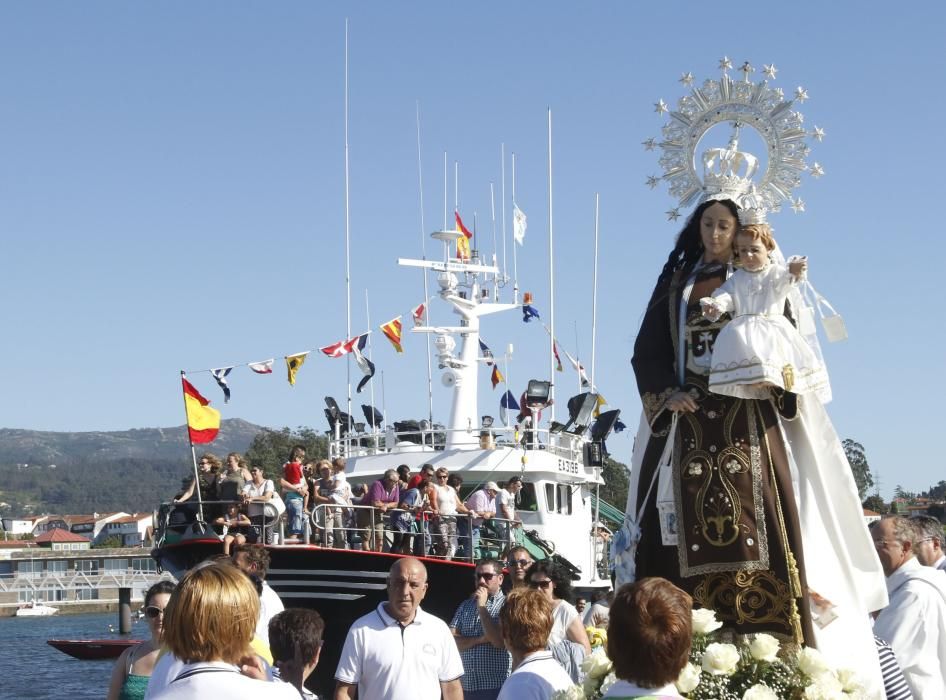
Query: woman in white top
(256, 494)
(446, 503)
(209, 623)
(555, 584)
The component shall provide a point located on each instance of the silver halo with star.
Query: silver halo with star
(746, 103)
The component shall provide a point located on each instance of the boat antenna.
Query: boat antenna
(492, 213)
(423, 248)
(370, 356)
(594, 295)
(502, 200)
(551, 276)
(515, 270)
(347, 234)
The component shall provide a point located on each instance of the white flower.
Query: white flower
(689, 678)
(826, 687)
(606, 684)
(850, 681)
(759, 692)
(572, 692)
(764, 647)
(812, 663)
(597, 664)
(720, 659)
(704, 621)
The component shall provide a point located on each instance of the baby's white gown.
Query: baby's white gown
(759, 344)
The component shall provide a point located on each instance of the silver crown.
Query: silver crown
(751, 208)
(727, 172)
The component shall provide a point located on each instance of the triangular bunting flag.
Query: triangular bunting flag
(293, 363)
(496, 376)
(420, 314)
(486, 354)
(578, 368)
(558, 360)
(507, 403)
(366, 365)
(601, 402)
(264, 367)
(392, 331)
(221, 376)
(342, 347)
(528, 311)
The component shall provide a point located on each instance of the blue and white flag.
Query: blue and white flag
(486, 354)
(366, 365)
(221, 376)
(518, 224)
(507, 403)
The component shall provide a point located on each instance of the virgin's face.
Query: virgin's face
(717, 227)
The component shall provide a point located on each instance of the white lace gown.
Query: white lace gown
(760, 345)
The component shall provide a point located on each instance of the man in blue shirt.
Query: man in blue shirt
(475, 626)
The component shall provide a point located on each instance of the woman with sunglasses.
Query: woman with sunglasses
(555, 584)
(134, 666)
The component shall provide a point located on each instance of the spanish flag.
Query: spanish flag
(203, 422)
(392, 331)
(463, 243)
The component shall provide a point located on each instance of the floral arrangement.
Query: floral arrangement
(750, 669)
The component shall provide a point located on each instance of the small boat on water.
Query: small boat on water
(93, 648)
(34, 609)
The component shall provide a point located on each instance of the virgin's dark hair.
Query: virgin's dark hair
(160, 587)
(561, 581)
(689, 245)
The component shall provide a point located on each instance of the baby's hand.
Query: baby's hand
(798, 266)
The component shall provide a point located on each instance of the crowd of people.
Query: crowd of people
(421, 514)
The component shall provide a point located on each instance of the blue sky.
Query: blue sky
(172, 180)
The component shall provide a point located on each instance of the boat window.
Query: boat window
(550, 496)
(526, 499)
(565, 499)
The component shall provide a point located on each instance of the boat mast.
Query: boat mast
(515, 270)
(423, 248)
(551, 279)
(594, 298)
(347, 236)
(502, 160)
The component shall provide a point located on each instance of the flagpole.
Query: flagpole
(551, 276)
(347, 233)
(423, 248)
(187, 427)
(370, 356)
(594, 296)
(515, 267)
(446, 247)
(502, 159)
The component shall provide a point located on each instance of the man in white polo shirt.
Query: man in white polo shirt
(400, 652)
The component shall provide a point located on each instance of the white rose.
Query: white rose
(759, 692)
(704, 621)
(764, 647)
(850, 681)
(720, 659)
(812, 663)
(606, 684)
(826, 687)
(572, 692)
(597, 664)
(689, 678)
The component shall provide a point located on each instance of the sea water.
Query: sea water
(30, 668)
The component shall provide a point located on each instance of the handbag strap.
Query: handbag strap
(665, 458)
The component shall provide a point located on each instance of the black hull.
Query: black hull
(342, 585)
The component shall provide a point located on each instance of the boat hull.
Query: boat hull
(340, 584)
(93, 648)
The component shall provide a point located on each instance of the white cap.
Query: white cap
(491, 486)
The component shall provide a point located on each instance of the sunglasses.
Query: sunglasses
(541, 584)
(154, 611)
(521, 562)
(484, 575)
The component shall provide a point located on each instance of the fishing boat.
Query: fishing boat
(560, 467)
(34, 609)
(92, 649)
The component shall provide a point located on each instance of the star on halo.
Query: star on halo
(817, 133)
(673, 214)
(687, 78)
(660, 107)
(652, 181)
(798, 205)
(725, 64)
(816, 170)
(746, 69)
(649, 144)
(769, 70)
(801, 94)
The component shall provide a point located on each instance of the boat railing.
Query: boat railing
(190, 519)
(374, 442)
(420, 532)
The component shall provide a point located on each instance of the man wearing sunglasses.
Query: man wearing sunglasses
(475, 627)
